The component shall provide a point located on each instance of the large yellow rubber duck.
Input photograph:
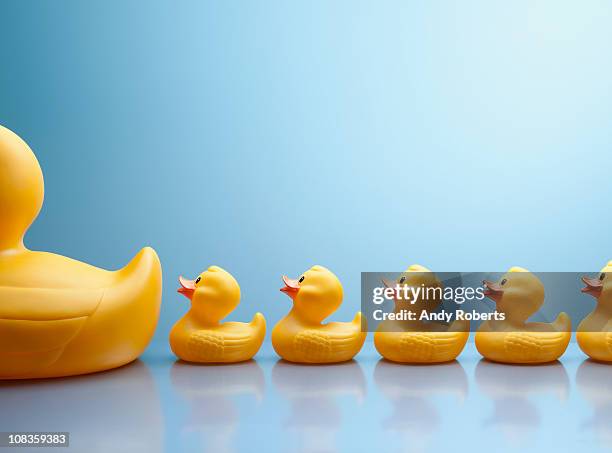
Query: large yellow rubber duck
(518, 295)
(416, 341)
(594, 333)
(58, 316)
(200, 337)
(300, 336)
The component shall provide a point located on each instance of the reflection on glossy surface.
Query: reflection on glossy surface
(411, 389)
(367, 405)
(116, 410)
(510, 387)
(208, 389)
(312, 390)
(594, 382)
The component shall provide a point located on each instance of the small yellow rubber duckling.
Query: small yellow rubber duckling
(417, 341)
(200, 337)
(59, 316)
(300, 336)
(594, 333)
(518, 295)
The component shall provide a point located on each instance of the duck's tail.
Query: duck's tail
(143, 265)
(129, 310)
(123, 322)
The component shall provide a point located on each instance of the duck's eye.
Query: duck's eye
(503, 282)
(301, 279)
(402, 280)
(198, 280)
(602, 276)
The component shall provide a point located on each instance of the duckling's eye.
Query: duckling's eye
(198, 280)
(503, 282)
(402, 280)
(602, 276)
(301, 279)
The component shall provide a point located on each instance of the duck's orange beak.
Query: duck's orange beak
(492, 290)
(593, 286)
(291, 287)
(187, 288)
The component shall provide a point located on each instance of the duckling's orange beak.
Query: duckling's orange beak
(593, 286)
(492, 290)
(187, 288)
(291, 287)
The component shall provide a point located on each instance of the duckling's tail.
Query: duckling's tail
(258, 322)
(360, 322)
(563, 323)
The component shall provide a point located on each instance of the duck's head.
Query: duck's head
(21, 190)
(316, 294)
(214, 294)
(518, 294)
(417, 276)
(600, 287)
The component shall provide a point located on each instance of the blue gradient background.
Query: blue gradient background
(266, 137)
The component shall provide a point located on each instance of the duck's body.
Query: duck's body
(301, 337)
(514, 340)
(416, 341)
(200, 337)
(594, 334)
(59, 316)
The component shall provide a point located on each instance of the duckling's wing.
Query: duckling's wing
(535, 346)
(607, 331)
(423, 346)
(39, 319)
(320, 346)
(213, 346)
(608, 328)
